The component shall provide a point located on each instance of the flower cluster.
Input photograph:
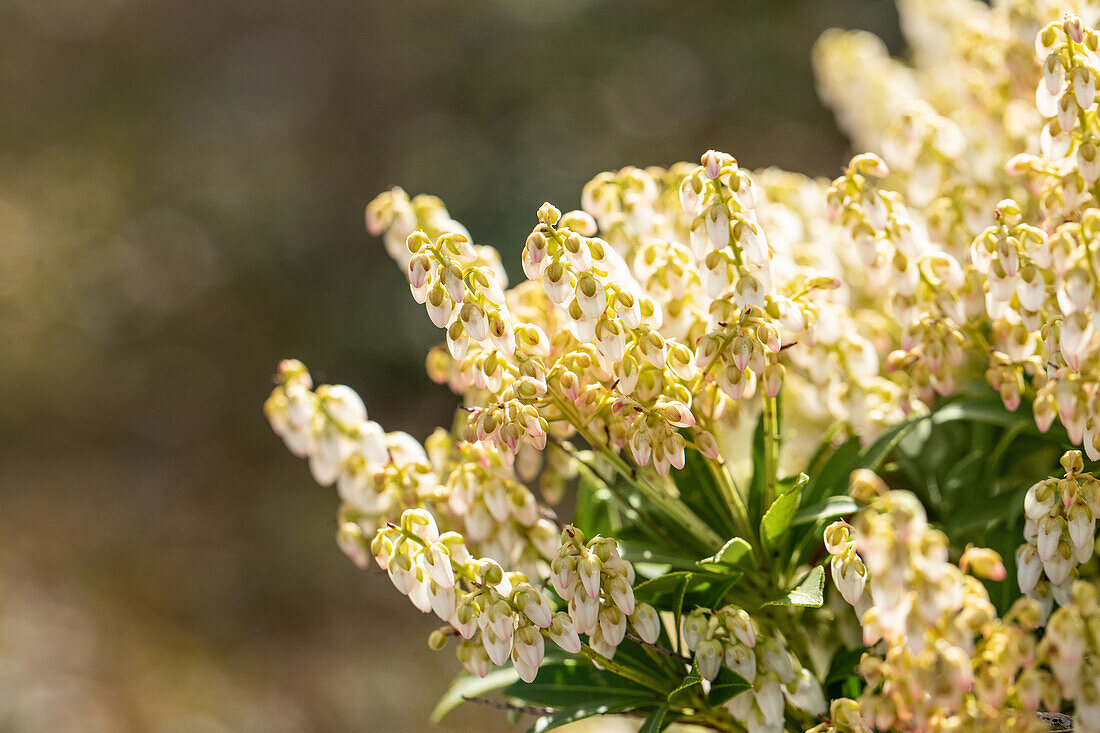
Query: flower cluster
(1071, 647)
(1060, 532)
(497, 614)
(680, 303)
(729, 636)
(1018, 295)
(379, 475)
(500, 615)
(941, 659)
(598, 585)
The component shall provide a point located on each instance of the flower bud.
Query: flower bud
(646, 622)
(708, 658)
(563, 633)
(869, 164)
(982, 563)
(549, 214)
(864, 485)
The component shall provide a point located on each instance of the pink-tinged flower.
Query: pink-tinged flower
(588, 568)
(769, 698)
(1082, 526)
(1040, 499)
(741, 660)
(849, 576)
(1060, 563)
(622, 595)
(1029, 567)
(498, 643)
(465, 618)
(474, 658)
(1050, 532)
(419, 595)
(442, 599)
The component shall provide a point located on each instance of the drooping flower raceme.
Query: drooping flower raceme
(676, 307)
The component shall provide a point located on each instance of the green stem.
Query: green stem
(733, 500)
(658, 496)
(621, 669)
(771, 449)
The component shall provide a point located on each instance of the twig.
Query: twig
(503, 705)
(657, 648)
(1058, 722)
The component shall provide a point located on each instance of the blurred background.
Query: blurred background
(181, 195)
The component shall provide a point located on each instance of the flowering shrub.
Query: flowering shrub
(754, 380)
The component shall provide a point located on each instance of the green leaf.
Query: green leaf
(777, 520)
(595, 509)
(639, 552)
(835, 472)
(571, 683)
(699, 490)
(834, 506)
(666, 592)
(873, 456)
(726, 686)
(730, 556)
(810, 591)
(469, 686)
(709, 591)
(844, 665)
(678, 605)
(755, 498)
(655, 722)
(984, 410)
(994, 461)
(660, 590)
(691, 679)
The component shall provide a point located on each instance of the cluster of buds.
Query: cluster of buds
(1071, 647)
(380, 475)
(597, 584)
(465, 298)
(730, 637)
(634, 206)
(1066, 98)
(921, 284)
(743, 339)
(377, 474)
(1060, 532)
(625, 376)
(947, 123)
(498, 513)
(395, 216)
(941, 657)
(498, 615)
